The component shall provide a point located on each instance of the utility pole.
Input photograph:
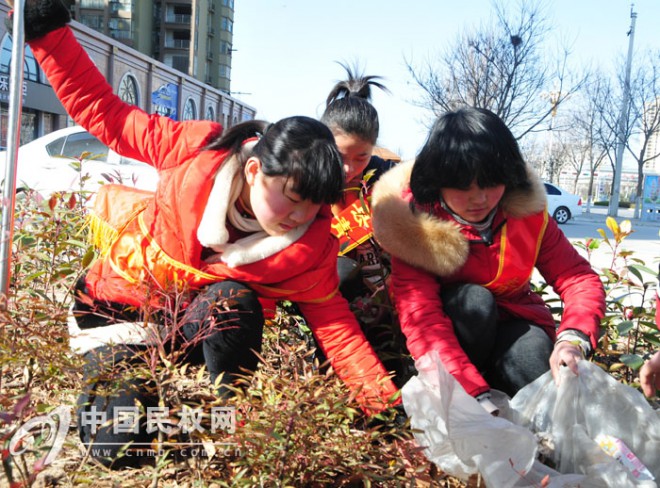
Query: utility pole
(623, 119)
(13, 141)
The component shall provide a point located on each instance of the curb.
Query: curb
(601, 217)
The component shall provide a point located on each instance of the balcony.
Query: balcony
(178, 19)
(177, 43)
(95, 4)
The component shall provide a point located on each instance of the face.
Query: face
(355, 152)
(473, 204)
(274, 204)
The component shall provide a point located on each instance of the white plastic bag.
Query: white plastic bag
(459, 435)
(462, 438)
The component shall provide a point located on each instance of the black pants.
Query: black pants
(383, 334)
(510, 354)
(221, 328)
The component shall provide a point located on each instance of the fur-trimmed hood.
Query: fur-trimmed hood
(426, 241)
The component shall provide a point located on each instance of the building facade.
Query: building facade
(135, 77)
(192, 36)
(652, 113)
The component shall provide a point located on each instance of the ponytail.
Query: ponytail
(233, 138)
(348, 106)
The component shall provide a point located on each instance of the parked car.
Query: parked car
(562, 205)
(52, 163)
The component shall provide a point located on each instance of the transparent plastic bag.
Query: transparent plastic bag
(462, 438)
(586, 409)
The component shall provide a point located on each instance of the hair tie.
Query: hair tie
(251, 139)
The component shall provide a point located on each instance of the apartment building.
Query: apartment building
(137, 78)
(651, 113)
(192, 36)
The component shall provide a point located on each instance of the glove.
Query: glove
(578, 339)
(485, 401)
(41, 17)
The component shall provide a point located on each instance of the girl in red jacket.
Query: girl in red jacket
(354, 123)
(362, 266)
(236, 217)
(466, 224)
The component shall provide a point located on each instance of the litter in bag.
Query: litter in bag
(591, 415)
(558, 425)
(459, 435)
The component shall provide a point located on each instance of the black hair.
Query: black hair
(348, 106)
(300, 148)
(470, 144)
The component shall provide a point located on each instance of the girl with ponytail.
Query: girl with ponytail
(238, 216)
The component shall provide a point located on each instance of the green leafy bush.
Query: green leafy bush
(296, 423)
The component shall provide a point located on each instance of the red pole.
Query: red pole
(13, 141)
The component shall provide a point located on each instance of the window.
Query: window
(225, 47)
(30, 67)
(551, 189)
(55, 147)
(180, 63)
(190, 110)
(227, 24)
(210, 113)
(98, 4)
(128, 90)
(75, 145)
(93, 21)
(225, 71)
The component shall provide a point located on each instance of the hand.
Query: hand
(390, 420)
(649, 376)
(564, 354)
(41, 17)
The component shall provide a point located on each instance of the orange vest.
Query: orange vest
(517, 256)
(125, 244)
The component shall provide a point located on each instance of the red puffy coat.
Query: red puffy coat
(159, 247)
(431, 250)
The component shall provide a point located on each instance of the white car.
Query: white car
(52, 163)
(562, 205)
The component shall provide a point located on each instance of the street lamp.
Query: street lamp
(613, 209)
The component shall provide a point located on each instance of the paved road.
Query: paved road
(644, 241)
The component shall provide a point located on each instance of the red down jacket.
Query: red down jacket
(432, 250)
(160, 244)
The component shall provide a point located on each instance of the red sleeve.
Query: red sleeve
(426, 326)
(351, 356)
(89, 99)
(573, 279)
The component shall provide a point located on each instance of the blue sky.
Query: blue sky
(286, 50)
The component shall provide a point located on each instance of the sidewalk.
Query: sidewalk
(598, 214)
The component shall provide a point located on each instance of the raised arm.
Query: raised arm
(89, 99)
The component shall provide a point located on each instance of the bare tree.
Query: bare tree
(593, 120)
(573, 153)
(500, 66)
(644, 114)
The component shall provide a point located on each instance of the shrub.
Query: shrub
(297, 425)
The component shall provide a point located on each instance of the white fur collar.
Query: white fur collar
(212, 231)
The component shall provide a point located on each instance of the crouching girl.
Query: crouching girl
(466, 225)
(236, 216)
